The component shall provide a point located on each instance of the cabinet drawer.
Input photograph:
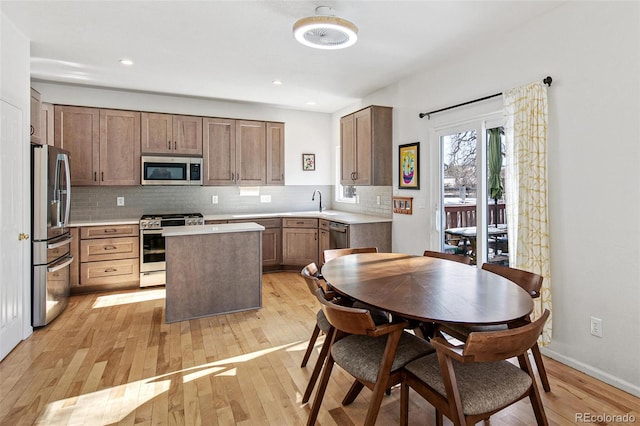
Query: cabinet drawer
(110, 231)
(126, 271)
(109, 249)
(299, 223)
(324, 224)
(214, 222)
(267, 223)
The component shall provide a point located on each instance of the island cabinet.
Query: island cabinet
(212, 269)
(366, 147)
(104, 144)
(299, 241)
(171, 134)
(376, 234)
(109, 258)
(271, 241)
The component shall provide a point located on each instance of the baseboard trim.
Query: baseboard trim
(594, 372)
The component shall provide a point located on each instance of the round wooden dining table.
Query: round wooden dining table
(428, 289)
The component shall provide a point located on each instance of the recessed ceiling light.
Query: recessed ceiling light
(277, 82)
(127, 62)
(325, 31)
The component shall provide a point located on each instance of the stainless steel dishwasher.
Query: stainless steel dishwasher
(338, 235)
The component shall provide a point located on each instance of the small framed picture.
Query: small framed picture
(308, 162)
(409, 166)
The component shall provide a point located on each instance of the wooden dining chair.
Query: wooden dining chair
(531, 283)
(373, 354)
(330, 254)
(471, 383)
(310, 274)
(448, 256)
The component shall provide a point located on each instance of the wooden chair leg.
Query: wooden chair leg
(318, 367)
(537, 356)
(354, 391)
(322, 387)
(404, 404)
(312, 342)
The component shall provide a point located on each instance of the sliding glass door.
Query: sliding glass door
(472, 220)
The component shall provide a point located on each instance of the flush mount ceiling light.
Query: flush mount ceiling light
(325, 30)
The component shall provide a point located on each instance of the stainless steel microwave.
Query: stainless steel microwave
(159, 170)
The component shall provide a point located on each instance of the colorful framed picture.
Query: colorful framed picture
(409, 166)
(308, 162)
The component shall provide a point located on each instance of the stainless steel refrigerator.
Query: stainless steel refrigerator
(51, 240)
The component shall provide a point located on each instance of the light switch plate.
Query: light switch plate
(120, 201)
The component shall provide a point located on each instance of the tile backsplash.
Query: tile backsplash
(100, 203)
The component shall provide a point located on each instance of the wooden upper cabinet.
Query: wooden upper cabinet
(46, 124)
(187, 135)
(104, 145)
(366, 141)
(275, 153)
(251, 152)
(77, 130)
(219, 151)
(36, 112)
(119, 147)
(171, 134)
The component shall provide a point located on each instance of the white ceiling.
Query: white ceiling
(233, 50)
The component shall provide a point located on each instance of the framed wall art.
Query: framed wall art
(409, 166)
(308, 162)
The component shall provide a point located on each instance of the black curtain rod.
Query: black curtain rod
(546, 81)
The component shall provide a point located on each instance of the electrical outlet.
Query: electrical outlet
(265, 198)
(378, 200)
(596, 327)
(120, 201)
(214, 199)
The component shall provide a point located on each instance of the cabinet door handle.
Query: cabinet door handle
(315, 236)
(102, 176)
(237, 177)
(175, 145)
(95, 176)
(169, 145)
(33, 130)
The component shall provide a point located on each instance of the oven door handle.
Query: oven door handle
(62, 263)
(151, 231)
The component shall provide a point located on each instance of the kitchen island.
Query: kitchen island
(213, 269)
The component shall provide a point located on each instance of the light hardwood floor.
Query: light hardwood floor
(111, 359)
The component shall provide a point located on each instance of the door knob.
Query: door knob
(23, 236)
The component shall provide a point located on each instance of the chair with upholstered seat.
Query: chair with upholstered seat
(310, 274)
(448, 256)
(373, 354)
(331, 254)
(471, 383)
(531, 283)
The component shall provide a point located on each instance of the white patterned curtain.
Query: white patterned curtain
(525, 110)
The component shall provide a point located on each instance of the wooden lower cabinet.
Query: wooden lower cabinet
(109, 258)
(299, 241)
(74, 271)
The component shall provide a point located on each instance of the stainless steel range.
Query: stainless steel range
(152, 244)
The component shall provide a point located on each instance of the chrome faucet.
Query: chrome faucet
(313, 198)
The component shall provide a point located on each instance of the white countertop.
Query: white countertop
(332, 215)
(225, 228)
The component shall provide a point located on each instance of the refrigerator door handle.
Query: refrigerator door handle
(67, 198)
(63, 263)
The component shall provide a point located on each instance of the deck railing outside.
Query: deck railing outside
(463, 215)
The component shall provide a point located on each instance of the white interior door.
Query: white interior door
(15, 223)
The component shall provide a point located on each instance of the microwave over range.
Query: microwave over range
(160, 170)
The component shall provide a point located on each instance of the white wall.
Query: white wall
(305, 132)
(592, 51)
